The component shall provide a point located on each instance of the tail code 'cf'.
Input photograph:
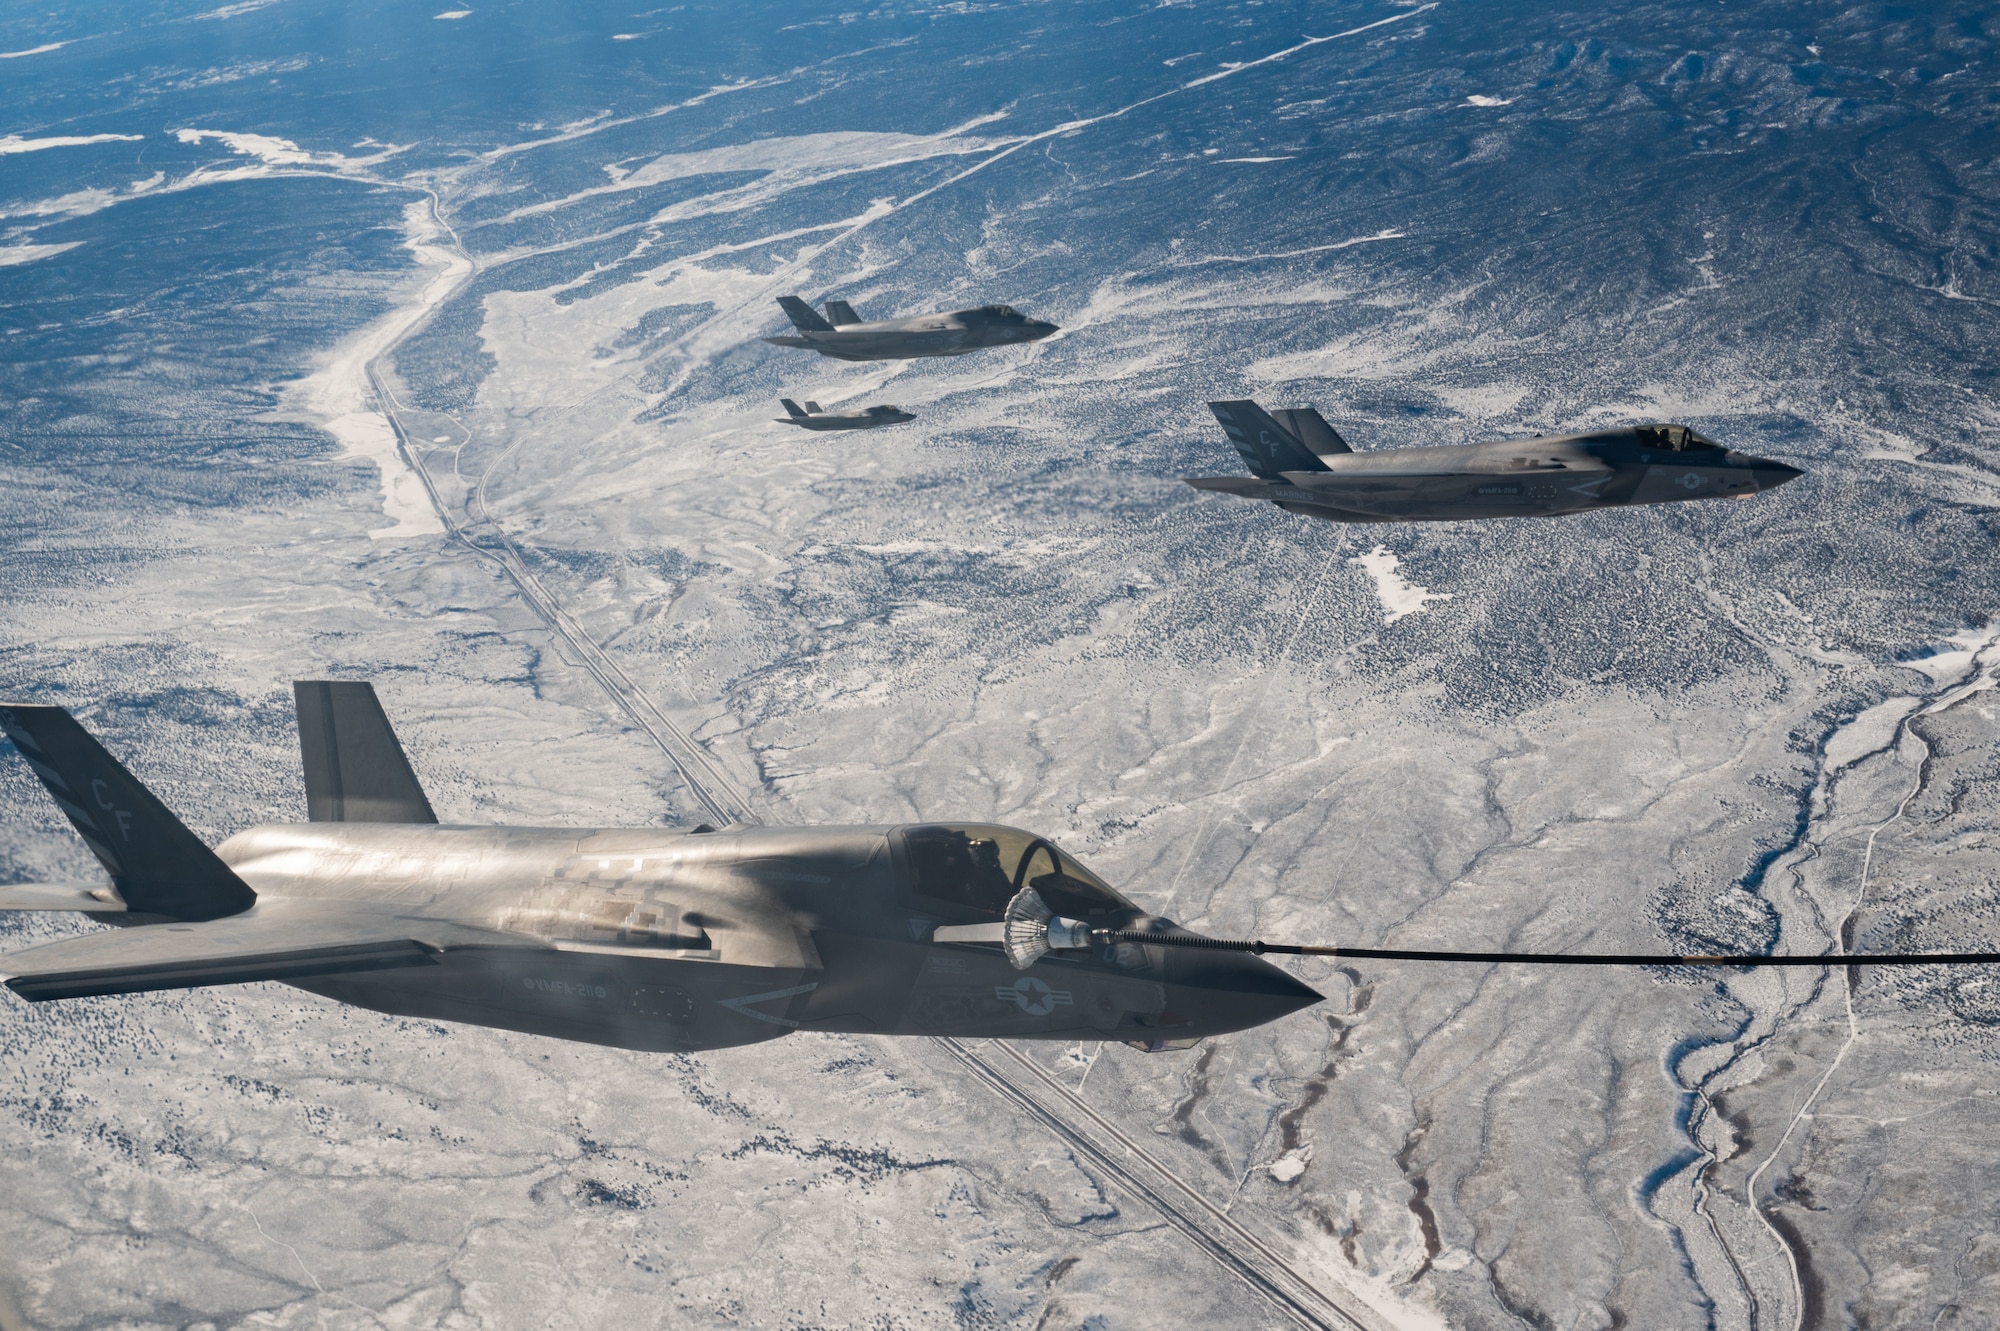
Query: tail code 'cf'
(157, 864)
(1267, 447)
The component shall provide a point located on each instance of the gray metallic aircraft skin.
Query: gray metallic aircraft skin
(816, 417)
(1539, 477)
(955, 333)
(641, 938)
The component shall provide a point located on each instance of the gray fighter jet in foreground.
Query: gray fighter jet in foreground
(641, 938)
(843, 336)
(816, 417)
(1301, 464)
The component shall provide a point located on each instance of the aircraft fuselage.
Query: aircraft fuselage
(1509, 478)
(660, 940)
(953, 334)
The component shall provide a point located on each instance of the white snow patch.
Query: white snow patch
(1869, 732)
(33, 50)
(339, 395)
(1480, 99)
(1286, 254)
(785, 162)
(1399, 598)
(1291, 1164)
(14, 143)
(1253, 159)
(83, 201)
(453, 13)
(274, 151)
(277, 151)
(232, 11)
(13, 254)
(1967, 647)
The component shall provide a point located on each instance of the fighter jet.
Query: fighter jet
(816, 417)
(843, 336)
(1301, 464)
(641, 938)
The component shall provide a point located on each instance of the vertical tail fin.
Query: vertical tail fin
(815, 408)
(1268, 447)
(355, 769)
(791, 408)
(803, 316)
(157, 864)
(1310, 428)
(840, 313)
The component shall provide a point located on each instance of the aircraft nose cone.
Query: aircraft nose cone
(1770, 475)
(1232, 991)
(1038, 330)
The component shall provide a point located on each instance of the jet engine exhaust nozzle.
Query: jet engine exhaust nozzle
(1030, 930)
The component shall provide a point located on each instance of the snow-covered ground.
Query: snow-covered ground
(1740, 726)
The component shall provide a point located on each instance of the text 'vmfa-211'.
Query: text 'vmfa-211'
(643, 938)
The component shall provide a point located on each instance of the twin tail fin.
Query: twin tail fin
(803, 316)
(158, 866)
(356, 772)
(1300, 443)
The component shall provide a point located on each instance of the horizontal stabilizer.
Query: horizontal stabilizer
(803, 316)
(1267, 447)
(158, 866)
(841, 314)
(59, 896)
(1235, 485)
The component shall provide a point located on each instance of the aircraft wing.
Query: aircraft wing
(274, 940)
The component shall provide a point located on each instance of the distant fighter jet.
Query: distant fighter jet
(1301, 464)
(816, 417)
(843, 336)
(640, 938)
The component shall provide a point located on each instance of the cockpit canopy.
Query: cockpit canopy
(1674, 438)
(978, 867)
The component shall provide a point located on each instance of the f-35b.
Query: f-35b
(642, 938)
(843, 336)
(816, 417)
(1301, 464)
